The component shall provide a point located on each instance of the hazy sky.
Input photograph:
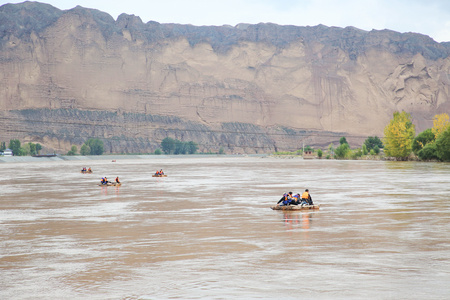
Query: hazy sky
(429, 17)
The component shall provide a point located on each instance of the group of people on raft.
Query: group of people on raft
(160, 172)
(105, 181)
(297, 199)
(86, 170)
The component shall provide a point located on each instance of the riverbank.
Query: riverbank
(27, 159)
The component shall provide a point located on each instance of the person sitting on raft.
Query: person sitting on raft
(117, 179)
(306, 197)
(89, 170)
(287, 199)
(83, 169)
(292, 199)
(283, 198)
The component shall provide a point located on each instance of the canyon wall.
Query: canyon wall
(67, 76)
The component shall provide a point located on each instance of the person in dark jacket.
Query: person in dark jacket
(292, 199)
(288, 199)
(283, 199)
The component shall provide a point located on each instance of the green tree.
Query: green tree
(356, 153)
(73, 150)
(168, 145)
(180, 147)
(32, 148)
(399, 135)
(158, 152)
(373, 141)
(342, 150)
(14, 145)
(85, 150)
(422, 139)
(25, 150)
(443, 145)
(364, 149)
(375, 149)
(428, 152)
(221, 150)
(2, 146)
(192, 147)
(96, 146)
(38, 148)
(319, 153)
(343, 140)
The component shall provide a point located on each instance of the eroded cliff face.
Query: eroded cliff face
(318, 82)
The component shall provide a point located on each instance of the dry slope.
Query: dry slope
(79, 73)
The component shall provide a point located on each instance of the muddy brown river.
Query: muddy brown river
(206, 231)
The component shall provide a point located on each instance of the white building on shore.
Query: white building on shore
(7, 152)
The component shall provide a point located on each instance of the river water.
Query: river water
(207, 232)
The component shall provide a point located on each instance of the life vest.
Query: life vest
(305, 195)
(286, 199)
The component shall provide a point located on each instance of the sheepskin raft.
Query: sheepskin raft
(295, 207)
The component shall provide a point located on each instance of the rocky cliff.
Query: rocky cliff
(69, 75)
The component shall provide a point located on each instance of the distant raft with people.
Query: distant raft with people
(295, 207)
(159, 173)
(295, 202)
(85, 170)
(106, 182)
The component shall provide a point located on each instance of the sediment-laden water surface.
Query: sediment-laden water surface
(207, 232)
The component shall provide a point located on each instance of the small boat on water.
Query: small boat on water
(110, 184)
(86, 172)
(295, 207)
(159, 175)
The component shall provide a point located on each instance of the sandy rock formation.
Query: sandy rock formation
(249, 88)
